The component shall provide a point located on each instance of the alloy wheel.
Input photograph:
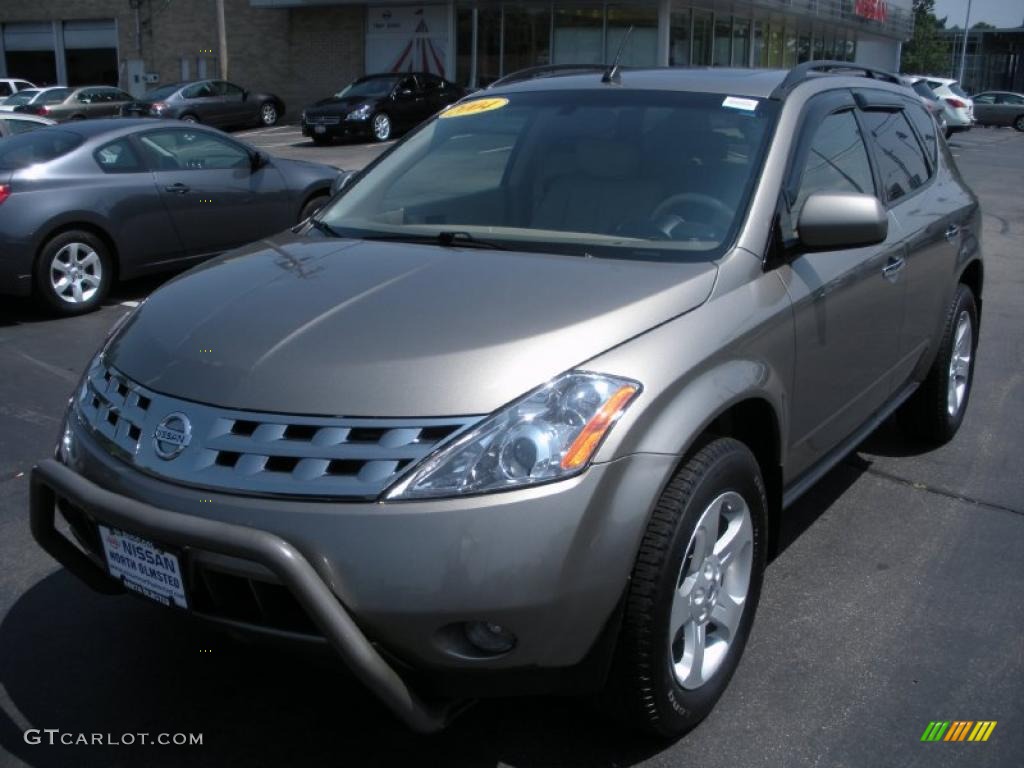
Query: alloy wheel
(382, 127)
(1019, 123)
(76, 273)
(711, 590)
(960, 364)
(268, 114)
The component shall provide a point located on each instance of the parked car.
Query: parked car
(85, 201)
(938, 108)
(961, 118)
(999, 108)
(521, 408)
(54, 94)
(13, 124)
(9, 86)
(62, 104)
(215, 102)
(379, 107)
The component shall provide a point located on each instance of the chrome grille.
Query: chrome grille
(258, 452)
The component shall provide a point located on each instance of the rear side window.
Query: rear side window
(901, 162)
(985, 98)
(958, 91)
(5, 89)
(1011, 98)
(118, 157)
(36, 147)
(837, 160)
(54, 96)
(925, 125)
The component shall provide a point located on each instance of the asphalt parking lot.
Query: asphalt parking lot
(288, 141)
(895, 598)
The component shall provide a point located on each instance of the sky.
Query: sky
(1001, 13)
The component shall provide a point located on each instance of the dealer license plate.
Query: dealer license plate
(319, 129)
(144, 567)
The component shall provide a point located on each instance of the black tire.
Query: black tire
(643, 689)
(929, 413)
(73, 246)
(313, 205)
(1019, 123)
(321, 141)
(381, 134)
(188, 117)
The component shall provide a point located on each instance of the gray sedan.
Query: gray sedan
(999, 108)
(83, 202)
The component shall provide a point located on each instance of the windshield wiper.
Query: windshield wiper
(324, 227)
(446, 238)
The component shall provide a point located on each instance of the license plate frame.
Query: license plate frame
(144, 567)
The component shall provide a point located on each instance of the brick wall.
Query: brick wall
(299, 54)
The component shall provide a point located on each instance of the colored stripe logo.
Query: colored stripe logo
(958, 730)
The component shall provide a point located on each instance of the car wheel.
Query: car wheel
(936, 410)
(1019, 123)
(693, 592)
(381, 127)
(189, 118)
(73, 272)
(312, 206)
(268, 114)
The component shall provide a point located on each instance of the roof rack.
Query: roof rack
(802, 72)
(546, 70)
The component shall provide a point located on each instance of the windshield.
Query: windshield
(629, 174)
(22, 97)
(371, 87)
(162, 92)
(38, 147)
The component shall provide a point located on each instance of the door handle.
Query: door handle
(891, 271)
(178, 188)
(952, 231)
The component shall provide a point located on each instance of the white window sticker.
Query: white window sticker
(735, 102)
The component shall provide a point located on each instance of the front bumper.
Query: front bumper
(51, 479)
(340, 130)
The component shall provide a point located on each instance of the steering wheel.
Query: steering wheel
(666, 221)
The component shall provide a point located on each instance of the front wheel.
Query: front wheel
(268, 114)
(693, 592)
(312, 206)
(1019, 123)
(73, 272)
(381, 127)
(936, 410)
(189, 118)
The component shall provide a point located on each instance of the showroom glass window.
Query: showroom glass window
(722, 55)
(702, 38)
(579, 35)
(740, 42)
(527, 30)
(679, 38)
(642, 47)
(901, 162)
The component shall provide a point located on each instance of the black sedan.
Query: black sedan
(214, 102)
(379, 106)
(83, 202)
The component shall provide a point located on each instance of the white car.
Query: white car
(961, 116)
(11, 85)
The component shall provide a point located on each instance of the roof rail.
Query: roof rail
(546, 70)
(802, 72)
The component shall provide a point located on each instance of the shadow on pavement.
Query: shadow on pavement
(15, 310)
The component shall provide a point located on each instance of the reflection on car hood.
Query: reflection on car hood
(335, 105)
(356, 328)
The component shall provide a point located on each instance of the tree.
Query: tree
(925, 52)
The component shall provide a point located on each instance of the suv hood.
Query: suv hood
(320, 326)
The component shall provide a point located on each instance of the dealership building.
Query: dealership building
(305, 49)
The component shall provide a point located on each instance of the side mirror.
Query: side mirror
(831, 221)
(341, 181)
(258, 160)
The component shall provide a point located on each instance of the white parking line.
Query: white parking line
(129, 303)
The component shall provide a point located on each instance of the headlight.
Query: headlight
(550, 434)
(304, 116)
(362, 112)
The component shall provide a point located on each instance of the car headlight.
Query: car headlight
(304, 116)
(362, 112)
(549, 434)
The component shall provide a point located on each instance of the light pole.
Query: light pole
(963, 53)
(222, 40)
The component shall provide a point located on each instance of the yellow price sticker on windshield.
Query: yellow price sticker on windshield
(474, 107)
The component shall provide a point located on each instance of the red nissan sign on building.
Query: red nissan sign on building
(876, 10)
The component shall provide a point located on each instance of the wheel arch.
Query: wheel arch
(973, 276)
